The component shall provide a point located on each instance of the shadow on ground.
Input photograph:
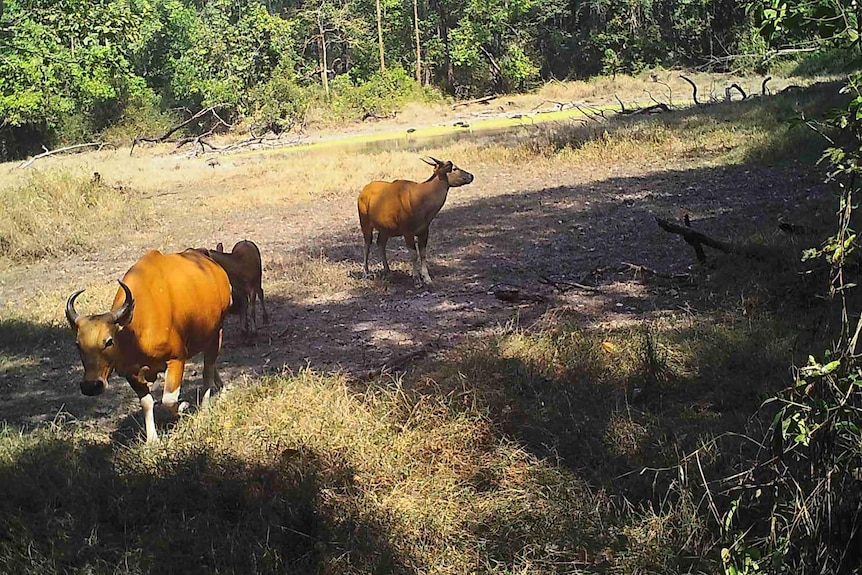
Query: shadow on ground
(73, 507)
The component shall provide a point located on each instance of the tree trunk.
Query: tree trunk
(380, 37)
(418, 48)
(324, 72)
(447, 58)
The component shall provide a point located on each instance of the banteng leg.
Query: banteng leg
(243, 312)
(253, 311)
(142, 389)
(173, 382)
(382, 238)
(259, 292)
(411, 245)
(423, 261)
(367, 236)
(212, 381)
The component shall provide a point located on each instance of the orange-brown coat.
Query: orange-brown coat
(245, 271)
(168, 309)
(406, 208)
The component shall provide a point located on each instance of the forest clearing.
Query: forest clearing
(565, 398)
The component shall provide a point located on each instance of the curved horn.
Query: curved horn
(436, 161)
(71, 314)
(123, 315)
(429, 163)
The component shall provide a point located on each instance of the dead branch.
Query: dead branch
(591, 114)
(655, 109)
(560, 105)
(46, 153)
(513, 294)
(763, 89)
(794, 229)
(495, 67)
(669, 91)
(697, 239)
(693, 89)
(622, 106)
(563, 286)
(482, 100)
(398, 362)
(639, 269)
(166, 136)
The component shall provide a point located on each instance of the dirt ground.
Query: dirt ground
(512, 227)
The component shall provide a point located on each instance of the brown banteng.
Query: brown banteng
(405, 208)
(245, 271)
(168, 309)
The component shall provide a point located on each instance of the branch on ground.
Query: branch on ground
(644, 270)
(482, 100)
(697, 239)
(166, 137)
(398, 362)
(739, 89)
(46, 153)
(693, 89)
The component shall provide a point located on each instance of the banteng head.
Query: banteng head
(96, 340)
(449, 172)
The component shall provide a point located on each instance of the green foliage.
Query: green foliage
(72, 70)
(379, 95)
(806, 487)
(278, 103)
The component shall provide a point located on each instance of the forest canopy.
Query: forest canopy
(74, 69)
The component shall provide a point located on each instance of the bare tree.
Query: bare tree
(418, 48)
(329, 23)
(380, 37)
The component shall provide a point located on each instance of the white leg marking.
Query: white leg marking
(147, 403)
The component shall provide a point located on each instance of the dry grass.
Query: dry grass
(59, 214)
(300, 475)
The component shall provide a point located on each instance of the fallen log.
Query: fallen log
(166, 136)
(47, 153)
(697, 239)
(398, 362)
(654, 109)
(482, 100)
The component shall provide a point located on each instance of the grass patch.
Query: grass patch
(298, 475)
(763, 131)
(50, 214)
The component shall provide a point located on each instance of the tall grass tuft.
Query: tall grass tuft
(51, 214)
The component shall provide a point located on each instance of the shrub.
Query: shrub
(278, 103)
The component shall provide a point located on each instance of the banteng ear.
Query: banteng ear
(219, 248)
(447, 167)
(429, 161)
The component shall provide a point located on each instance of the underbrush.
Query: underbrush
(762, 130)
(50, 214)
